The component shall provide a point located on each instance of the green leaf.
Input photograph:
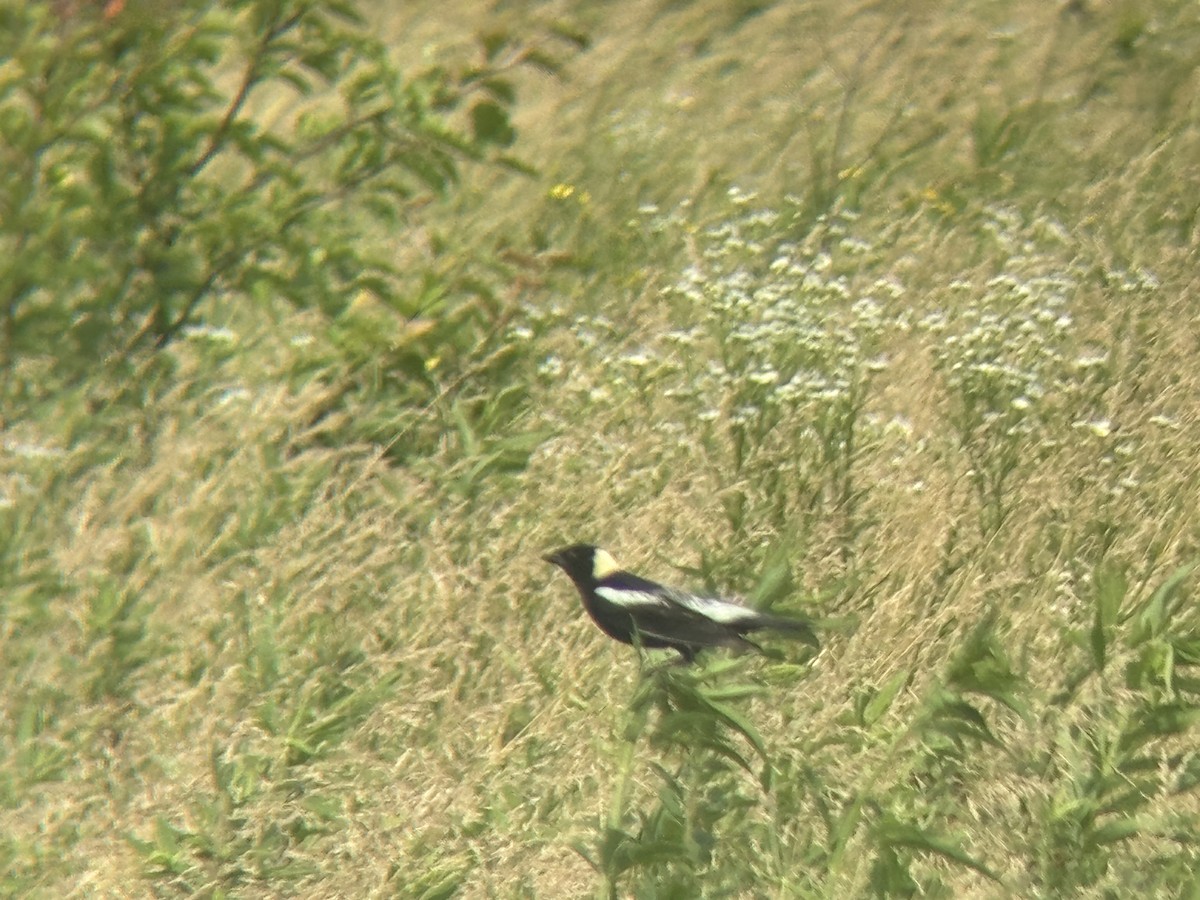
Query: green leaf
(716, 669)
(955, 718)
(735, 692)
(1155, 722)
(573, 35)
(1111, 586)
(493, 43)
(1187, 651)
(882, 701)
(775, 583)
(740, 724)
(441, 882)
(582, 849)
(1189, 776)
(543, 61)
(502, 89)
(344, 10)
(890, 876)
(1154, 667)
(1155, 613)
(490, 124)
(1116, 830)
(901, 834)
(982, 666)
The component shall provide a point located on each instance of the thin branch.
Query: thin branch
(249, 80)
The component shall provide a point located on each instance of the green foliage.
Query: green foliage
(233, 832)
(691, 722)
(39, 756)
(165, 167)
(1112, 771)
(699, 829)
(117, 632)
(300, 371)
(909, 768)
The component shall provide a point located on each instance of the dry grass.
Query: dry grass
(337, 677)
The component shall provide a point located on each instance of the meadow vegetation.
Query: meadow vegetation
(321, 323)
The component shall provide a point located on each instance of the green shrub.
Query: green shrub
(166, 170)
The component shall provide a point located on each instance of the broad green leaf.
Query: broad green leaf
(982, 666)
(774, 584)
(1154, 722)
(882, 701)
(900, 834)
(1110, 587)
(740, 724)
(735, 692)
(1116, 830)
(1153, 616)
(890, 876)
(582, 849)
(959, 719)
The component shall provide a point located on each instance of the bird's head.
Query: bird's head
(585, 563)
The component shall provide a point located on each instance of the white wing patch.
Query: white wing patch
(628, 599)
(718, 610)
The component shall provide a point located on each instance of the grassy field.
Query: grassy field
(883, 314)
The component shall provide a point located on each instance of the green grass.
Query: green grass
(885, 317)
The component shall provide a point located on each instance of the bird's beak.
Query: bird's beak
(553, 559)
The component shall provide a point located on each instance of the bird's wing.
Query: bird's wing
(631, 599)
(627, 589)
(733, 619)
(742, 618)
(724, 612)
(657, 612)
(677, 617)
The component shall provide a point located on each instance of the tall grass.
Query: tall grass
(882, 316)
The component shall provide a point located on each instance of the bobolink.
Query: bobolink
(630, 608)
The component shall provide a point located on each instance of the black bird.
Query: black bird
(630, 608)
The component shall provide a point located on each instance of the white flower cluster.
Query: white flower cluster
(787, 328)
(779, 344)
(1011, 358)
(1001, 353)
